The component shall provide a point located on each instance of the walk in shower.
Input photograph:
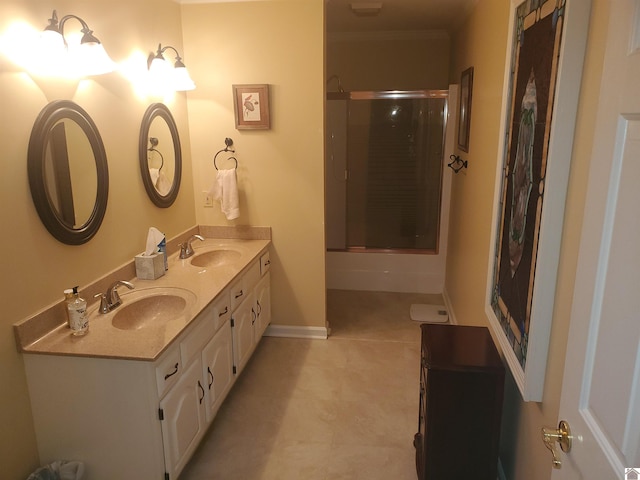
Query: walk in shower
(384, 160)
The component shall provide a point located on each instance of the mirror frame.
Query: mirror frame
(159, 110)
(50, 115)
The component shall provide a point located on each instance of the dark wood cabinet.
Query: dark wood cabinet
(461, 390)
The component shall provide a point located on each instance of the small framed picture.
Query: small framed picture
(251, 107)
(464, 115)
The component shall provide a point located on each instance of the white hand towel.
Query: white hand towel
(225, 189)
(154, 173)
(162, 184)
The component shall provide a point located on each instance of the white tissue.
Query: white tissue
(154, 238)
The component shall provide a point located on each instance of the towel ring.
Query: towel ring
(229, 158)
(152, 149)
(228, 142)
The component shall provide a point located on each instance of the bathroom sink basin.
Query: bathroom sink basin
(151, 307)
(215, 258)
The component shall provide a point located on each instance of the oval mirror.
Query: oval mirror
(68, 173)
(160, 155)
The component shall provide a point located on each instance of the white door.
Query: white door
(601, 386)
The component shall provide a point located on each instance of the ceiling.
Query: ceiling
(398, 15)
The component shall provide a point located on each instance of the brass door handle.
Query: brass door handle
(561, 435)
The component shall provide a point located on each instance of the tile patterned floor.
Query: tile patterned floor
(341, 409)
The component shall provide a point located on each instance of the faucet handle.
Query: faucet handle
(185, 248)
(104, 306)
(113, 299)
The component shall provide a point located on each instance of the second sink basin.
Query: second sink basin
(215, 258)
(151, 307)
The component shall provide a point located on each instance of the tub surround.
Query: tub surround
(47, 333)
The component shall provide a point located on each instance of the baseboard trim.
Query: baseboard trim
(296, 332)
(447, 303)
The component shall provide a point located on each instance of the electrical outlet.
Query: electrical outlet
(207, 199)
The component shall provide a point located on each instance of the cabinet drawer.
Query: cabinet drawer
(197, 337)
(241, 288)
(237, 293)
(168, 371)
(219, 310)
(265, 263)
(251, 275)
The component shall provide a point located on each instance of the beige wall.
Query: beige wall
(35, 267)
(388, 60)
(481, 43)
(280, 171)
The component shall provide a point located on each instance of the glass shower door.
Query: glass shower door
(394, 159)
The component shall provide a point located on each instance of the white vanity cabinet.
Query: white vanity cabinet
(186, 411)
(190, 406)
(251, 312)
(131, 419)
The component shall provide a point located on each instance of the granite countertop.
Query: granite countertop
(148, 343)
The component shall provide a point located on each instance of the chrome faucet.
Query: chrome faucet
(186, 250)
(111, 299)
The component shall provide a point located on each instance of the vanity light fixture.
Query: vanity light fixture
(87, 58)
(177, 78)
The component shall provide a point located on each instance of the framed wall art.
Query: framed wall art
(464, 114)
(542, 81)
(251, 107)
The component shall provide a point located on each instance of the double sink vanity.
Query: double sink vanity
(133, 398)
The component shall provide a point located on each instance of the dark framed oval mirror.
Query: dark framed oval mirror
(68, 172)
(160, 155)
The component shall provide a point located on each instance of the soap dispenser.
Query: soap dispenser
(76, 312)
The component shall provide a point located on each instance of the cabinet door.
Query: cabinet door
(263, 306)
(183, 418)
(242, 322)
(217, 362)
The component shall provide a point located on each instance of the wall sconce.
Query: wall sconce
(176, 78)
(87, 58)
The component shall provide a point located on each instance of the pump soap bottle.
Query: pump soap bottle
(76, 312)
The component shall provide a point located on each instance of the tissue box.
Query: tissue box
(149, 267)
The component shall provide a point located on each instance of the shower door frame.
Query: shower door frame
(396, 95)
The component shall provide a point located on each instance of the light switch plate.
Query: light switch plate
(207, 199)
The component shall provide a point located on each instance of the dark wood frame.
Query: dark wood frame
(38, 145)
(264, 121)
(159, 110)
(464, 112)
